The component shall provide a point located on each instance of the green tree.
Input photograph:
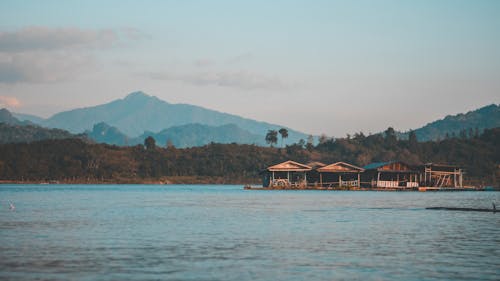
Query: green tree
(272, 137)
(310, 142)
(150, 143)
(284, 134)
(390, 137)
(322, 139)
(413, 141)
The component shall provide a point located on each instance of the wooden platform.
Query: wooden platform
(421, 189)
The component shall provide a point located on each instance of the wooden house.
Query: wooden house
(313, 178)
(391, 175)
(341, 175)
(288, 174)
(438, 175)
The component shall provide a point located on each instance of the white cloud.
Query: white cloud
(42, 54)
(6, 101)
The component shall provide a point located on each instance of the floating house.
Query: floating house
(341, 175)
(313, 178)
(439, 175)
(288, 174)
(394, 174)
(380, 175)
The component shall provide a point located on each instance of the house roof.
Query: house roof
(340, 167)
(441, 165)
(391, 166)
(289, 166)
(376, 165)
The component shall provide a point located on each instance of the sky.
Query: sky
(321, 67)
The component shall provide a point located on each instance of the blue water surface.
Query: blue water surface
(215, 232)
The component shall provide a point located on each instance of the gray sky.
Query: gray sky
(332, 67)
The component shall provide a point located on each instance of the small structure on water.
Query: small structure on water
(394, 174)
(341, 175)
(285, 175)
(439, 175)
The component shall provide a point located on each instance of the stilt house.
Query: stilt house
(392, 175)
(286, 174)
(340, 174)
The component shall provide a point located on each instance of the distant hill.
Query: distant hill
(14, 131)
(483, 118)
(180, 136)
(197, 135)
(29, 133)
(104, 133)
(7, 118)
(28, 117)
(138, 113)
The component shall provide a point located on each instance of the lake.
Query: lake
(215, 232)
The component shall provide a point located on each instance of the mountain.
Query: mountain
(104, 133)
(483, 118)
(28, 117)
(7, 118)
(138, 113)
(14, 131)
(197, 135)
(10, 133)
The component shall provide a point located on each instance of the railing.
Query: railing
(396, 184)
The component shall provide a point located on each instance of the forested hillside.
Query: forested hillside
(31, 133)
(73, 160)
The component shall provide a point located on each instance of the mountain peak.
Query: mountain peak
(6, 117)
(137, 95)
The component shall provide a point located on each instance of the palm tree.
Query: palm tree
(284, 134)
(272, 137)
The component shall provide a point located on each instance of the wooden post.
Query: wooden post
(340, 180)
(461, 177)
(359, 180)
(425, 176)
(321, 179)
(454, 177)
(305, 178)
(378, 178)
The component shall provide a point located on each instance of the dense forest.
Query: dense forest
(75, 160)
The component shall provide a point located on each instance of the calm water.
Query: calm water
(141, 232)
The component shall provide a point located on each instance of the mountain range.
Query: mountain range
(138, 114)
(483, 118)
(12, 130)
(130, 120)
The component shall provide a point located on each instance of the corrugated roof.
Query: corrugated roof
(340, 167)
(289, 166)
(376, 165)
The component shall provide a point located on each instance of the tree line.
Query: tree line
(79, 161)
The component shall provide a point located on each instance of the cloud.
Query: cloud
(44, 38)
(234, 79)
(6, 101)
(38, 67)
(42, 54)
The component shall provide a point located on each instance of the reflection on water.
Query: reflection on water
(227, 233)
